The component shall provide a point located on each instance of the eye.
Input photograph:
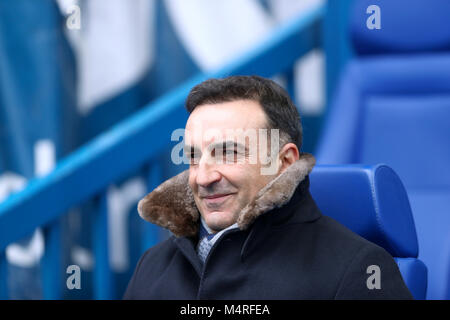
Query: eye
(193, 158)
(229, 151)
(230, 155)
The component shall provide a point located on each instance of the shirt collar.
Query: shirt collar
(205, 231)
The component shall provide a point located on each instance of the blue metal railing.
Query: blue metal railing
(87, 172)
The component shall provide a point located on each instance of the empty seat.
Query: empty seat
(372, 202)
(392, 106)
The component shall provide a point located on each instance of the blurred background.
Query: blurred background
(91, 91)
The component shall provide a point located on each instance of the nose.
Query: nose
(206, 174)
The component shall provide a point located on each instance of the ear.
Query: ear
(288, 155)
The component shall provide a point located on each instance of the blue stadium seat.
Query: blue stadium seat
(372, 201)
(393, 106)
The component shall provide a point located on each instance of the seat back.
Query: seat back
(372, 202)
(393, 106)
(406, 26)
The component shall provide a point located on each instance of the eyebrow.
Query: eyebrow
(217, 145)
(229, 144)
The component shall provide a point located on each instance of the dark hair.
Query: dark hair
(280, 111)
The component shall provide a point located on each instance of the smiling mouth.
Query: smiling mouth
(217, 196)
(217, 199)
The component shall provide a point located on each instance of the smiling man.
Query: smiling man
(220, 194)
(243, 221)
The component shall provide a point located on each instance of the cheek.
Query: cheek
(191, 181)
(244, 177)
(235, 174)
(257, 180)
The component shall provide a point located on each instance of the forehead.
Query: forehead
(240, 114)
(215, 122)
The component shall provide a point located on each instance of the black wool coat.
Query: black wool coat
(284, 248)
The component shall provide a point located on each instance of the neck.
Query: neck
(203, 222)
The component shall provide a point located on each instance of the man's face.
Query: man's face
(223, 188)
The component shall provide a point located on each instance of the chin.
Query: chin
(219, 220)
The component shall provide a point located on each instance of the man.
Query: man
(244, 223)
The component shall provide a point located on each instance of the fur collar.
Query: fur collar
(172, 205)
